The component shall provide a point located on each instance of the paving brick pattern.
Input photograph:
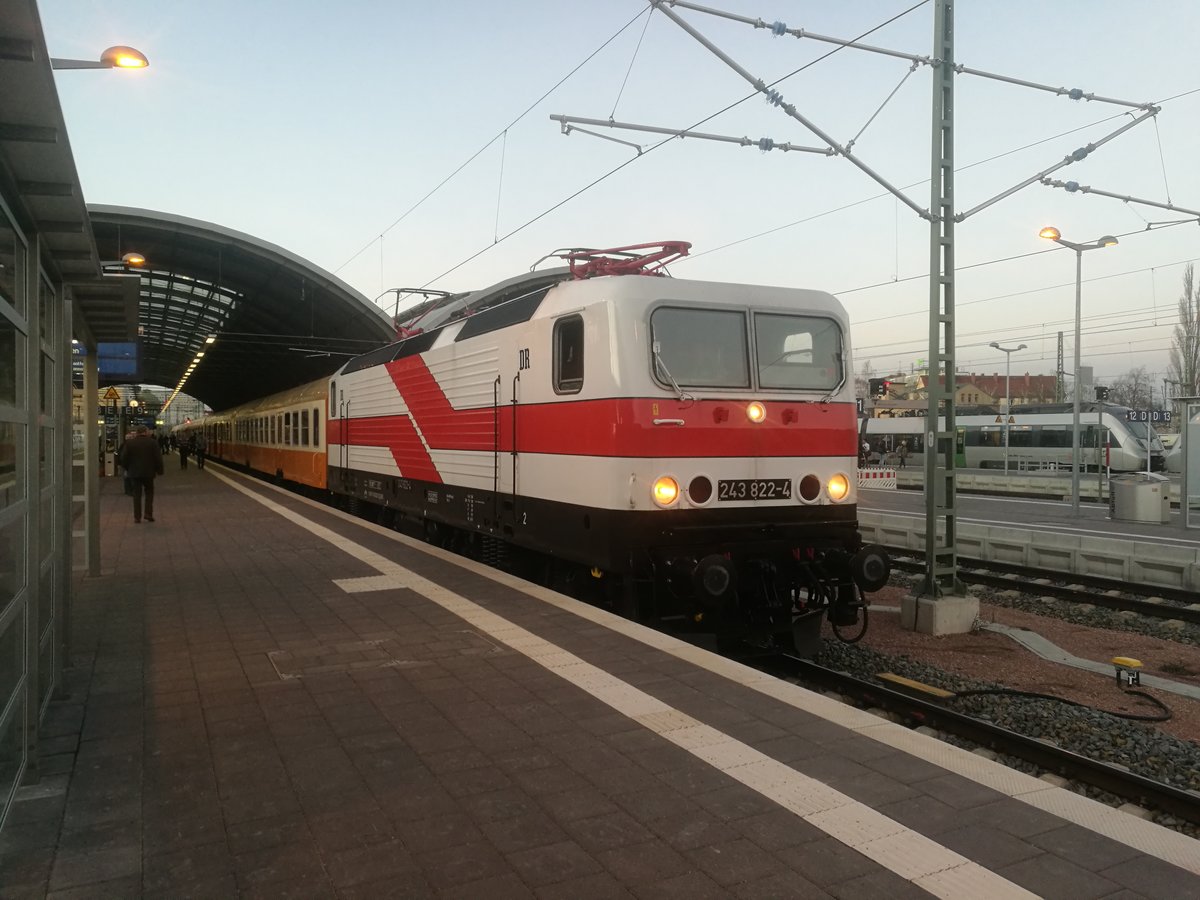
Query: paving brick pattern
(233, 723)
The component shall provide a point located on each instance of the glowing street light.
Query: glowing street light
(119, 57)
(1051, 233)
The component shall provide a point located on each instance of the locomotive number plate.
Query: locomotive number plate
(755, 489)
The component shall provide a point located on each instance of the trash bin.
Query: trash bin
(1140, 497)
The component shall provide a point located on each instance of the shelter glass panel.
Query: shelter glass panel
(45, 669)
(12, 656)
(12, 265)
(47, 310)
(12, 559)
(12, 481)
(12, 753)
(12, 342)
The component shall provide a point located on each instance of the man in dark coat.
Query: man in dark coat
(142, 459)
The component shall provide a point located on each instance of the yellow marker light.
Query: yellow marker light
(666, 490)
(838, 488)
(756, 412)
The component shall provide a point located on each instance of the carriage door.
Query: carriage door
(506, 453)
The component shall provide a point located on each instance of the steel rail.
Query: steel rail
(1178, 802)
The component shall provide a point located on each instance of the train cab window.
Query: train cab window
(303, 428)
(568, 355)
(798, 352)
(699, 348)
(316, 427)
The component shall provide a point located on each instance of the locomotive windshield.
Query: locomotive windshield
(798, 352)
(710, 348)
(700, 347)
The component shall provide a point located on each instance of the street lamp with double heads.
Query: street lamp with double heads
(1008, 352)
(1051, 233)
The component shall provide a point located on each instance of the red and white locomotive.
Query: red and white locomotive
(690, 446)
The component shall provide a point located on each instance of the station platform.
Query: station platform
(270, 698)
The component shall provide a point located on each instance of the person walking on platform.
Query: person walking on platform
(128, 478)
(201, 448)
(142, 459)
(903, 453)
(184, 449)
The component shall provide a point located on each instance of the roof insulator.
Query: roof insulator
(1071, 186)
(774, 98)
(1075, 93)
(765, 144)
(778, 29)
(1079, 154)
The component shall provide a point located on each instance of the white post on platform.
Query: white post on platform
(1008, 352)
(1051, 233)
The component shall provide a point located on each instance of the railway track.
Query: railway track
(1173, 801)
(1063, 586)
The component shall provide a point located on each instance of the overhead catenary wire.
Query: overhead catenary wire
(587, 187)
(496, 137)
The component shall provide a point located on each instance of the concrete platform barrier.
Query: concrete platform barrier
(1141, 562)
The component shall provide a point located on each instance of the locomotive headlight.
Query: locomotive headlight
(838, 488)
(756, 412)
(665, 491)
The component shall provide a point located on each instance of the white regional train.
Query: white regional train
(1039, 437)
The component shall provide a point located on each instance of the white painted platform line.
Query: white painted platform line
(1146, 837)
(909, 854)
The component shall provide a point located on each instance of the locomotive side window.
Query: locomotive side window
(798, 352)
(568, 355)
(699, 348)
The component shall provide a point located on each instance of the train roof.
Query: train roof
(518, 299)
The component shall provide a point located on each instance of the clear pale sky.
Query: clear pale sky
(316, 126)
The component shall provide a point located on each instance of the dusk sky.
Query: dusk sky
(317, 127)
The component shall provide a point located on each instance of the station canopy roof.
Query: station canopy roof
(278, 320)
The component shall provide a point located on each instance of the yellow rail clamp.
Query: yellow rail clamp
(918, 687)
(1129, 670)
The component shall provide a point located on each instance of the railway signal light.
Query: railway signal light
(1101, 392)
(879, 387)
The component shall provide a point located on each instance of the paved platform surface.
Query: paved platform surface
(269, 699)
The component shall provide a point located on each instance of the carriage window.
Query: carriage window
(304, 428)
(798, 352)
(316, 427)
(332, 399)
(699, 348)
(287, 429)
(568, 355)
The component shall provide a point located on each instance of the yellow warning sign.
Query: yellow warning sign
(112, 394)
(999, 419)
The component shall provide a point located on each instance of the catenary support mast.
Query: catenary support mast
(941, 563)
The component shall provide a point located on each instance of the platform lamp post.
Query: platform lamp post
(1051, 233)
(1008, 352)
(119, 57)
